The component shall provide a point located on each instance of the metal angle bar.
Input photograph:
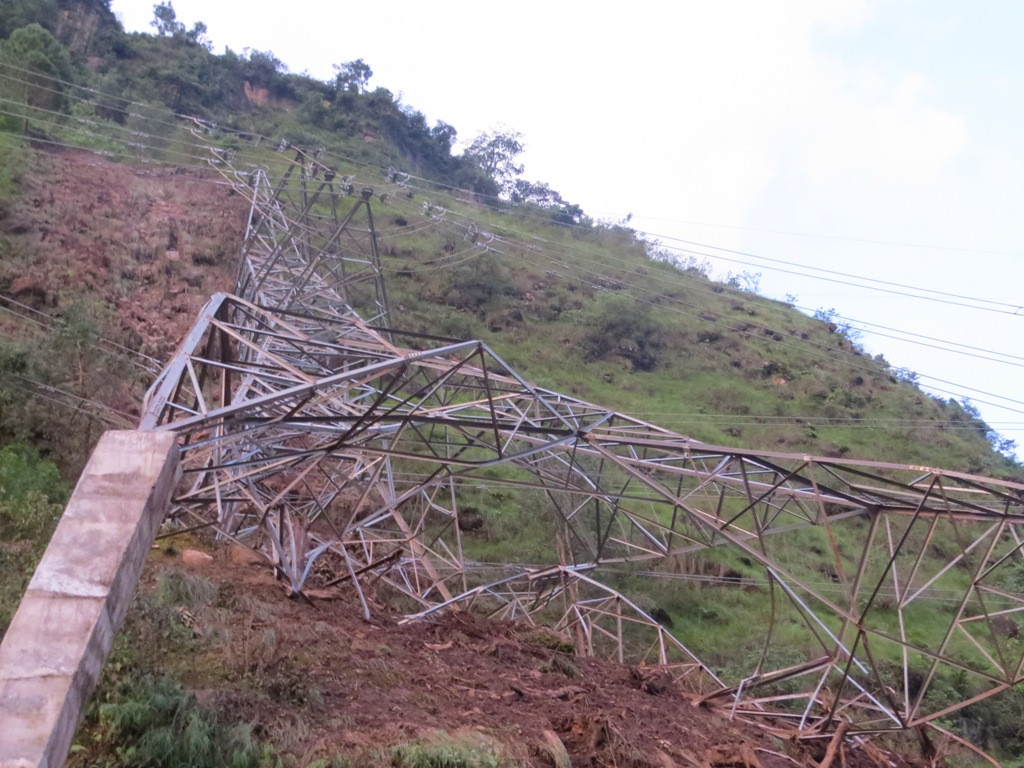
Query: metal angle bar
(459, 410)
(302, 388)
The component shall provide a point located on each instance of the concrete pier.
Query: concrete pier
(54, 650)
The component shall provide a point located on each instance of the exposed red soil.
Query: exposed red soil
(150, 243)
(344, 684)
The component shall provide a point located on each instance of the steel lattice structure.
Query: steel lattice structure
(306, 430)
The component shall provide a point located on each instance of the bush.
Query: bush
(157, 724)
(31, 498)
(41, 66)
(478, 286)
(621, 326)
(180, 588)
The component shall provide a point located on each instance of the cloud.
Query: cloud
(880, 130)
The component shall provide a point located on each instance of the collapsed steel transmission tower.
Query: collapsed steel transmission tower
(308, 432)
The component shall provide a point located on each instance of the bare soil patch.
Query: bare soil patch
(318, 680)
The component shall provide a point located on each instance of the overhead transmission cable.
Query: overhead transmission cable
(697, 287)
(145, 362)
(1017, 308)
(248, 134)
(368, 165)
(829, 354)
(78, 398)
(847, 238)
(696, 306)
(630, 275)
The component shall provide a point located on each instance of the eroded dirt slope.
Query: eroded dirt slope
(149, 243)
(319, 681)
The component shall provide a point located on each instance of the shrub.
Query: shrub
(31, 498)
(621, 326)
(180, 588)
(155, 723)
(23, 470)
(477, 286)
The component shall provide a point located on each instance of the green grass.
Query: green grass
(13, 152)
(32, 497)
(176, 587)
(725, 366)
(444, 750)
(153, 721)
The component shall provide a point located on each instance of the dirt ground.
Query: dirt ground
(319, 680)
(147, 243)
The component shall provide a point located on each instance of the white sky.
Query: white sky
(841, 127)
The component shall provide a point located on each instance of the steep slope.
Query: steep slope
(325, 688)
(203, 208)
(106, 258)
(584, 311)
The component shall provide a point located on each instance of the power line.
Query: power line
(831, 353)
(53, 390)
(828, 352)
(828, 349)
(145, 362)
(1017, 308)
(846, 238)
(986, 356)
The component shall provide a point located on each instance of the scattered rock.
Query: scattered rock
(322, 594)
(195, 557)
(553, 747)
(240, 555)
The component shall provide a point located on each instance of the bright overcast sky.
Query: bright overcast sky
(879, 139)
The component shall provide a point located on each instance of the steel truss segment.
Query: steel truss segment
(318, 440)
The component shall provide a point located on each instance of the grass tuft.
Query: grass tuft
(444, 750)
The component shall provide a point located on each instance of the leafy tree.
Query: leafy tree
(534, 193)
(21, 13)
(569, 215)
(443, 135)
(495, 154)
(262, 67)
(166, 23)
(182, 76)
(538, 193)
(352, 76)
(38, 67)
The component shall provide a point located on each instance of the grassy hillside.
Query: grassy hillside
(142, 229)
(586, 307)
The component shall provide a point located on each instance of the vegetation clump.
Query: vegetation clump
(444, 750)
(155, 723)
(618, 326)
(32, 496)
